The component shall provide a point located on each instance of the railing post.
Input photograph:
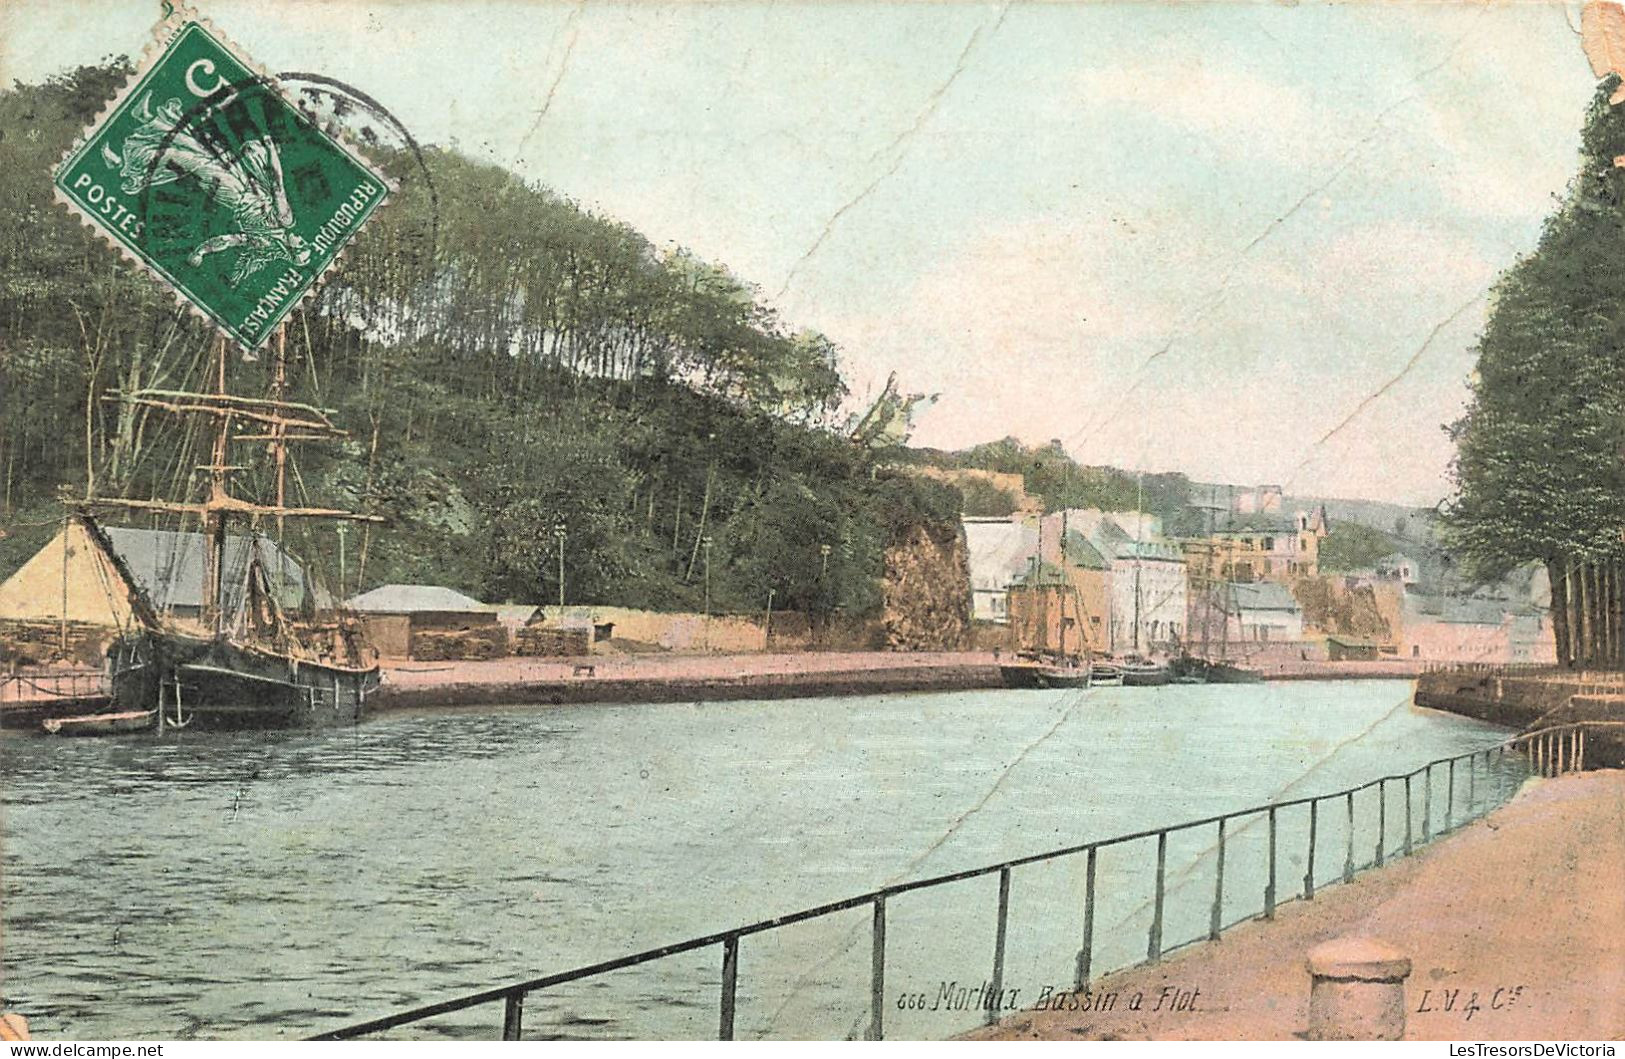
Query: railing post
(1153, 946)
(730, 986)
(1472, 783)
(1450, 797)
(1382, 821)
(513, 1013)
(1215, 922)
(1087, 952)
(1580, 756)
(1348, 853)
(1427, 803)
(877, 974)
(1269, 888)
(1309, 873)
(1408, 814)
(997, 999)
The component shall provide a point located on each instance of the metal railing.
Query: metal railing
(46, 685)
(1602, 680)
(1498, 669)
(1532, 752)
(1560, 749)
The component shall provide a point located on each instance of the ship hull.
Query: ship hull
(216, 684)
(1145, 676)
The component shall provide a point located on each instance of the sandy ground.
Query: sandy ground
(666, 667)
(1515, 927)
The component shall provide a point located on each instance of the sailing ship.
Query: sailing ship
(243, 660)
(1140, 670)
(1205, 666)
(1045, 665)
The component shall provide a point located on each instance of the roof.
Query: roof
(405, 599)
(1079, 552)
(1047, 575)
(1457, 610)
(998, 551)
(168, 566)
(1272, 521)
(1260, 595)
(1260, 522)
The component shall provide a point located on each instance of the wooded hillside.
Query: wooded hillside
(506, 362)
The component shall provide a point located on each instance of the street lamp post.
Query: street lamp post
(558, 535)
(767, 625)
(705, 543)
(823, 570)
(343, 529)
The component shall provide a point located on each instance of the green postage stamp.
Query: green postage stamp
(206, 174)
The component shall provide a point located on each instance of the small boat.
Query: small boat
(1191, 670)
(1144, 673)
(1038, 672)
(1064, 676)
(1020, 674)
(1107, 675)
(101, 723)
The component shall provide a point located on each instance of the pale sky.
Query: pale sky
(1193, 237)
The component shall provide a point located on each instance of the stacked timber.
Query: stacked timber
(37, 642)
(457, 645)
(544, 641)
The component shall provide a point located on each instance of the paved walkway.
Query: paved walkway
(670, 666)
(1523, 912)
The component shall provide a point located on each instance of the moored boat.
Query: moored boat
(1145, 673)
(1107, 675)
(100, 723)
(254, 652)
(1192, 670)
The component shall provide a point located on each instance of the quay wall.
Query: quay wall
(559, 691)
(1533, 701)
(1508, 700)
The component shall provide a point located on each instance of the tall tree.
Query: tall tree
(1538, 465)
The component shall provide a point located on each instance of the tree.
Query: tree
(1538, 464)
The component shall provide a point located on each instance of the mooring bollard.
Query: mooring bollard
(1357, 991)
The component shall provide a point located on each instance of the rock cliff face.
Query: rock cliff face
(927, 604)
(1331, 607)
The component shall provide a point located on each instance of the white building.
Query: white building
(1000, 549)
(1262, 611)
(1148, 577)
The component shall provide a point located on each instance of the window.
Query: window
(1269, 544)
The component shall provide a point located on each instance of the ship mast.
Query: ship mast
(1139, 533)
(214, 520)
(275, 420)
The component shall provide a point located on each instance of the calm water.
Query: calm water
(274, 886)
